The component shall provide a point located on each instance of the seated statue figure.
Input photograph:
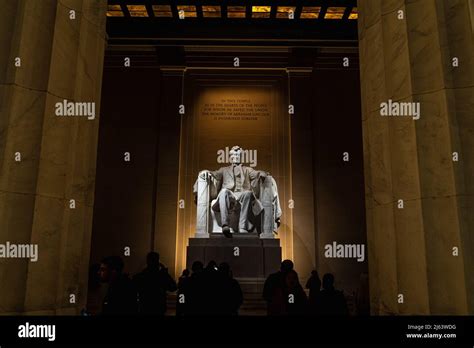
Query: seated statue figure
(240, 198)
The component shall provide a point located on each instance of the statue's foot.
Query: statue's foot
(243, 230)
(226, 231)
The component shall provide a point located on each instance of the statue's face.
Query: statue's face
(235, 157)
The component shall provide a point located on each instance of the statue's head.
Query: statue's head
(235, 154)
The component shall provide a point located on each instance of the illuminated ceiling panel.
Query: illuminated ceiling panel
(187, 11)
(335, 13)
(331, 10)
(162, 11)
(354, 14)
(137, 10)
(211, 11)
(236, 11)
(309, 12)
(285, 11)
(261, 11)
(114, 11)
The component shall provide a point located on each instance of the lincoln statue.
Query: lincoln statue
(241, 198)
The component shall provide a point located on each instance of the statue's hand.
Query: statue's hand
(204, 174)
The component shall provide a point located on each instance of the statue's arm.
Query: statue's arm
(218, 174)
(256, 174)
(212, 177)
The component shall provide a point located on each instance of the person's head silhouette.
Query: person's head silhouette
(211, 266)
(111, 268)
(197, 266)
(328, 281)
(291, 279)
(224, 268)
(153, 259)
(286, 266)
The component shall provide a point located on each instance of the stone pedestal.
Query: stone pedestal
(251, 259)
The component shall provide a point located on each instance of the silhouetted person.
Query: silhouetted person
(229, 293)
(362, 297)
(211, 267)
(152, 284)
(183, 282)
(211, 290)
(183, 278)
(94, 296)
(290, 298)
(194, 291)
(329, 300)
(121, 297)
(274, 282)
(298, 304)
(314, 286)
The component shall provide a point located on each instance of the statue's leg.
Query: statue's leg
(225, 203)
(245, 199)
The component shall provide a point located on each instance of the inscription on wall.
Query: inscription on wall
(235, 109)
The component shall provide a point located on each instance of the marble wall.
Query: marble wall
(338, 185)
(126, 190)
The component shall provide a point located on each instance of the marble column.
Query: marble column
(169, 187)
(419, 201)
(60, 45)
(304, 234)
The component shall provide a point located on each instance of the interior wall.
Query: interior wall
(339, 185)
(125, 191)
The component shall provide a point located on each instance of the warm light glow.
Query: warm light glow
(189, 11)
(137, 10)
(309, 12)
(284, 11)
(162, 10)
(236, 11)
(114, 11)
(335, 13)
(211, 11)
(215, 11)
(354, 14)
(261, 11)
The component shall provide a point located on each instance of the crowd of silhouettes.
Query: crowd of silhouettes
(285, 296)
(144, 294)
(209, 290)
